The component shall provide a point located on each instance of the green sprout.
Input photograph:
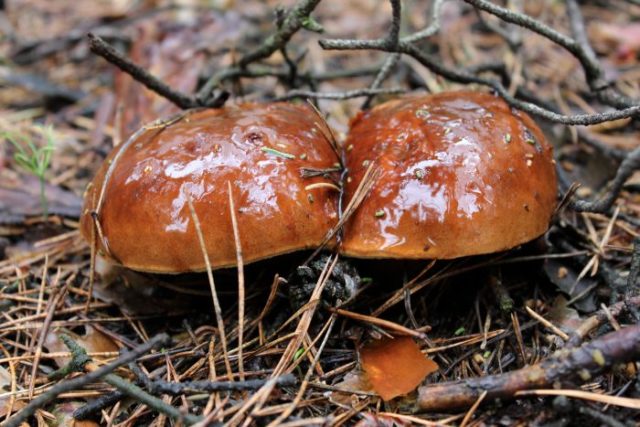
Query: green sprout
(34, 159)
(298, 353)
(461, 330)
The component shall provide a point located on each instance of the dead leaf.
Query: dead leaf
(5, 378)
(564, 277)
(5, 385)
(64, 416)
(20, 198)
(566, 318)
(376, 420)
(93, 341)
(353, 382)
(140, 294)
(4, 406)
(396, 366)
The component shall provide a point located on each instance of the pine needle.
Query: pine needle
(214, 294)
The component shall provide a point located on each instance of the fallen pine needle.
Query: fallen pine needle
(214, 293)
(473, 409)
(548, 324)
(380, 322)
(241, 290)
(625, 402)
(322, 185)
(420, 421)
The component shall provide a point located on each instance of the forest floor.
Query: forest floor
(557, 316)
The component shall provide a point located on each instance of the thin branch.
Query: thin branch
(388, 66)
(79, 382)
(593, 69)
(634, 269)
(631, 290)
(463, 77)
(152, 402)
(394, 32)
(94, 406)
(103, 49)
(583, 362)
(606, 149)
(260, 71)
(579, 46)
(81, 361)
(628, 166)
(594, 74)
(298, 93)
(296, 19)
(159, 387)
(292, 23)
(432, 29)
(514, 40)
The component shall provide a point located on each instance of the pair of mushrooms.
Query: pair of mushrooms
(458, 174)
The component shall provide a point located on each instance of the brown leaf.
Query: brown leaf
(395, 366)
(93, 341)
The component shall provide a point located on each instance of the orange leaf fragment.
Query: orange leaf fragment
(395, 366)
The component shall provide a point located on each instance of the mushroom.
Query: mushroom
(460, 173)
(137, 207)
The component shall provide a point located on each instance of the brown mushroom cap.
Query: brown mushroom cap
(460, 174)
(144, 218)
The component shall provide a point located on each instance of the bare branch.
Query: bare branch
(102, 48)
(388, 66)
(628, 166)
(594, 74)
(432, 29)
(294, 21)
(78, 382)
(585, 361)
(339, 95)
(463, 77)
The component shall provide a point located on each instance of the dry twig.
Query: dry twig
(582, 363)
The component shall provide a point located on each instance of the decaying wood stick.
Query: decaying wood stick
(599, 317)
(581, 363)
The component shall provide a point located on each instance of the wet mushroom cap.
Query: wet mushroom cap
(461, 173)
(142, 214)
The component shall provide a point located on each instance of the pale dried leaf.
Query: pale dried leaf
(353, 382)
(93, 341)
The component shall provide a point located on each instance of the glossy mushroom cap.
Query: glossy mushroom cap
(460, 174)
(143, 211)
